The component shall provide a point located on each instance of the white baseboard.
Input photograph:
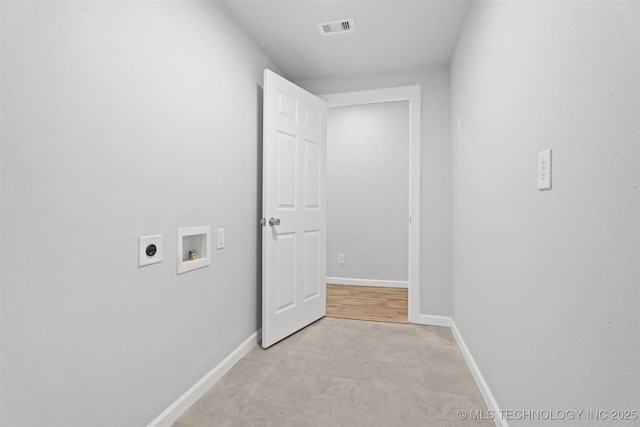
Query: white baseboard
(432, 320)
(368, 282)
(492, 405)
(180, 406)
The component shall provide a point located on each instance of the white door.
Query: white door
(293, 208)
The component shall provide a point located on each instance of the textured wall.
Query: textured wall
(368, 191)
(122, 119)
(546, 284)
(435, 201)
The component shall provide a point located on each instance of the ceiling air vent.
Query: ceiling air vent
(341, 26)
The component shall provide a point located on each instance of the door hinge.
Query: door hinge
(409, 220)
(263, 221)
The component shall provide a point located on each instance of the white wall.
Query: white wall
(122, 119)
(546, 284)
(368, 191)
(435, 239)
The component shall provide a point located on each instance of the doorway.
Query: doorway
(395, 241)
(294, 202)
(368, 211)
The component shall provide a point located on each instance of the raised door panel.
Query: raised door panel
(287, 174)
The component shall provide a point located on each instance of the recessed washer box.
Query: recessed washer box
(194, 248)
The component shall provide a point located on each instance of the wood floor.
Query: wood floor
(368, 303)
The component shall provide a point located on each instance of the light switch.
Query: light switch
(220, 239)
(149, 250)
(340, 258)
(544, 170)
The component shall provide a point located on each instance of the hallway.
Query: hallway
(339, 372)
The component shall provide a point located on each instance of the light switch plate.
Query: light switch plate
(544, 170)
(340, 258)
(143, 243)
(220, 243)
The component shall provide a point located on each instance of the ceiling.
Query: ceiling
(391, 34)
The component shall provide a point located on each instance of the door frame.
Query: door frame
(413, 94)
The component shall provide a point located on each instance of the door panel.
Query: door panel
(286, 167)
(285, 271)
(294, 196)
(312, 181)
(311, 267)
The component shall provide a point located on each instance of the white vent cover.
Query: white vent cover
(341, 26)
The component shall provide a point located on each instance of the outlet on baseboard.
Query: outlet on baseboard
(340, 258)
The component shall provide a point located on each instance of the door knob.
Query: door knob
(273, 221)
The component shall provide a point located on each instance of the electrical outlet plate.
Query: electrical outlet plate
(143, 242)
(220, 238)
(544, 170)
